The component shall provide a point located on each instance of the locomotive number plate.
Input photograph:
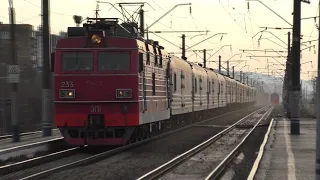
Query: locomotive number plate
(95, 109)
(67, 84)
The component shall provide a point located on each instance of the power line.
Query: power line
(315, 24)
(232, 17)
(50, 11)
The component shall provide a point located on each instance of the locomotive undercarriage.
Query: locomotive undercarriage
(96, 130)
(130, 134)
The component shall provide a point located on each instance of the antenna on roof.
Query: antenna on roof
(96, 12)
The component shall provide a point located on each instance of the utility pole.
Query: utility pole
(318, 111)
(219, 64)
(46, 120)
(288, 78)
(204, 58)
(295, 94)
(240, 76)
(14, 112)
(228, 71)
(183, 47)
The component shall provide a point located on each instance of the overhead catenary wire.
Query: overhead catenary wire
(50, 10)
(190, 15)
(315, 24)
(233, 18)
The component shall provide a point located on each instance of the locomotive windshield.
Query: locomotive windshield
(113, 61)
(72, 61)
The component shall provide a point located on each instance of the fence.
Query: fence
(29, 105)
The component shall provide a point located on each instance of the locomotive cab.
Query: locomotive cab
(96, 85)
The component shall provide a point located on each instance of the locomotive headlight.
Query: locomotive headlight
(67, 93)
(96, 39)
(123, 93)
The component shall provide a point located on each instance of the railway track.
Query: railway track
(27, 134)
(12, 167)
(31, 150)
(77, 158)
(210, 159)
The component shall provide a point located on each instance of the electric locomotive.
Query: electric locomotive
(113, 87)
(274, 98)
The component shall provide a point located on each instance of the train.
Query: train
(274, 98)
(114, 87)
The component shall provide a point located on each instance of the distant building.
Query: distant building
(26, 43)
(53, 42)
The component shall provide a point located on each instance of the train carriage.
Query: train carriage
(212, 89)
(181, 86)
(242, 97)
(246, 94)
(199, 87)
(230, 90)
(233, 91)
(220, 88)
(240, 89)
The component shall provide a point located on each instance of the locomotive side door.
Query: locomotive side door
(169, 85)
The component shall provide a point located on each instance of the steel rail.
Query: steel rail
(227, 160)
(256, 164)
(104, 155)
(6, 169)
(23, 134)
(156, 173)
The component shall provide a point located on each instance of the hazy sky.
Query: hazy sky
(224, 16)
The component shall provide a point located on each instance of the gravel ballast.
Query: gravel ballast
(241, 166)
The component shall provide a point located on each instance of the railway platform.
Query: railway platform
(28, 139)
(288, 156)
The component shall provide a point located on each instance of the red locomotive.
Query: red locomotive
(112, 87)
(274, 98)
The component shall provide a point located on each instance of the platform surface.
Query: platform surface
(289, 157)
(7, 143)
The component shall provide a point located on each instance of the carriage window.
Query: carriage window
(72, 61)
(113, 61)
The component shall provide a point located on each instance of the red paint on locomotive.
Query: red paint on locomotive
(95, 91)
